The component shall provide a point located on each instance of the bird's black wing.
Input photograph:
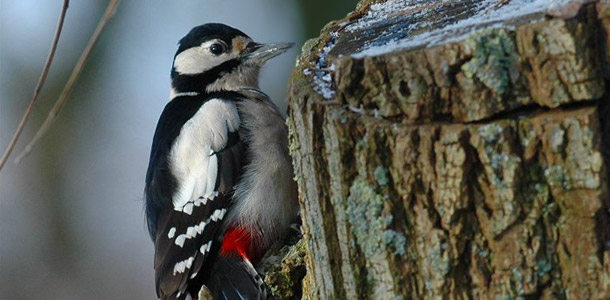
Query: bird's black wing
(196, 160)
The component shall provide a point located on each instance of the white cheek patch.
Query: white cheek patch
(199, 59)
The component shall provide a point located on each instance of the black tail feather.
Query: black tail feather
(234, 278)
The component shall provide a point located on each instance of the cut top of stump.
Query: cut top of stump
(457, 61)
(399, 25)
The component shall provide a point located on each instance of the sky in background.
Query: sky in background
(71, 216)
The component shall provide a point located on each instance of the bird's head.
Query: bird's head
(216, 57)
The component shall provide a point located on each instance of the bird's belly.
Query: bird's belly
(266, 201)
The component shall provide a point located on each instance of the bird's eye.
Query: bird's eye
(217, 49)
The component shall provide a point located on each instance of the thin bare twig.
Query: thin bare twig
(63, 97)
(41, 81)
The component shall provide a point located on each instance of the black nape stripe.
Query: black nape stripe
(183, 83)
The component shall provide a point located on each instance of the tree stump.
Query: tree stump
(455, 150)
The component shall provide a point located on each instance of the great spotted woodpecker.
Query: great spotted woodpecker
(219, 188)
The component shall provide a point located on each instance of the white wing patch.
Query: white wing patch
(218, 214)
(193, 231)
(188, 207)
(171, 233)
(193, 160)
(180, 240)
(206, 247)
(184, 265)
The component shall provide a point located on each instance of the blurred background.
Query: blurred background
(71, 217)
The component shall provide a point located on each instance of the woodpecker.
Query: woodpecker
(219, 188)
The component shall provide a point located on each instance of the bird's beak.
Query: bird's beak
(258, 54)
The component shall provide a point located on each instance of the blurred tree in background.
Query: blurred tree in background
(316, 13)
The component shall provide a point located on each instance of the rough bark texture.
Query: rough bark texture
(469, 169)
(284, 269)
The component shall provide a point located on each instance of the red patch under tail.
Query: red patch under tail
(238, 241)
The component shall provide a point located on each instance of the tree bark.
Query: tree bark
(455, 150)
